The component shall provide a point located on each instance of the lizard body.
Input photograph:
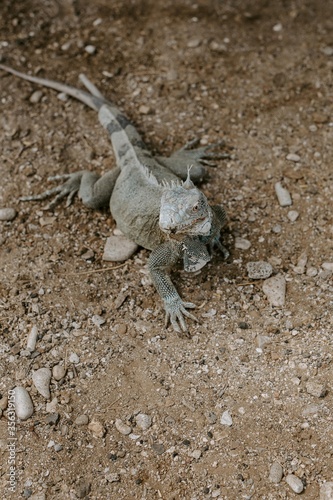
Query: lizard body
(152, 199)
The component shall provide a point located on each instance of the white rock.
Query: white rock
(58, 372)
(295, 483)
(122, 427)
(326, 491)
(328, 266)
(226, 418)
(275, 290)
(36, 96)
(301, 263)
(293, 157)
(32, 339)
(328, 51)
(7, 214)
(41, 379)
(196, 454)
(98, 320)
(275, 473)
(143, 421)
(259, 270)
(242, 243)
(118, 248)
(293, 215)
(283, 195)
(96, 428)
(311, 272)
(51, 406)
(90, 49)
(74, 358)
(23, 403)
(316, 389)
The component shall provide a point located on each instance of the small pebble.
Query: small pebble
(158, 448)
(259, 270)
(4, 403)
(326, 491)
(276, 228)
(283, 195)
(23, 404)
(328, 51)
(51, 406)
(98, 320)
(226, 418)
(263, 340)
(196, 454)
(74, 358)
(62, 96)
(311, 272)
(122, 427)
(327, 266)
(7, 214)
(293, 215)
(301, 263)
(316, 389)
(96, 428)
(113, 477)
(143, 421)
(195, 42)
(275, 290)
(144, 110)
(242, 243)
(58, 372)
(211, 417)
(295, 483)
(32, 339)
(41, 379)
(118, 249)
(82, 489)
(57, 447)
(36, 97)
(275, 473)
(90, 49)
(81, 420)
(293, 157)
(52, 419)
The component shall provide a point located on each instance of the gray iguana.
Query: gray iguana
(152, 199)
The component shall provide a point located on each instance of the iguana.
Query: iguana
(152, 199)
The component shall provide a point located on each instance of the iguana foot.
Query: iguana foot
(69, 189)
(175, 312)
(203, 154)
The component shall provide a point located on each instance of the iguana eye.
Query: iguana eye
(195, 208)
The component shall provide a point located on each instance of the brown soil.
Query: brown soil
(259, 75)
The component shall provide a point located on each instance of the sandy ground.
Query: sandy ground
(257, 74)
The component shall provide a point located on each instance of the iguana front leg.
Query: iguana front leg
(94, 191)
(160, 262)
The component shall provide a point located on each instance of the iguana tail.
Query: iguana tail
(94, 99)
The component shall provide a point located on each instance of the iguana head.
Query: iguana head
(185, 210)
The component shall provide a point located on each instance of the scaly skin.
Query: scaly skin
(153, 200)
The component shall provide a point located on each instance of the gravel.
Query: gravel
(295, 483)
(283, 195)
(259, 270)
(275, 290)
(41, 379)
(23, 403)
(7, 214)
(119, 248)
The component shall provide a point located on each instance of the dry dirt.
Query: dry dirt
(259, 75)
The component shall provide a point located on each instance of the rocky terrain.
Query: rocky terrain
(111, 405)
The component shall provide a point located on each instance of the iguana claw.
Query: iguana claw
(175, 313)
(68, 188)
